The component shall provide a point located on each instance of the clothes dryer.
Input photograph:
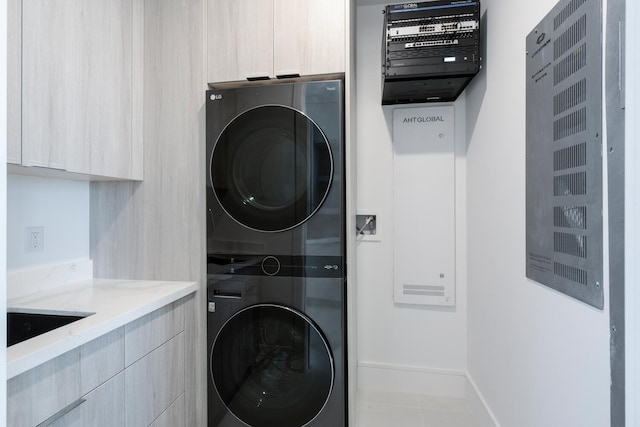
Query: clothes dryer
(275, 169)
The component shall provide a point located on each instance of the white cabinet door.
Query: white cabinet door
(309, 37)
(240, 39)
(79, 84)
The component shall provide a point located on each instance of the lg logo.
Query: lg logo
(215, 96)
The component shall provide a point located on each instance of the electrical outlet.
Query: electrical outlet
(34, 239)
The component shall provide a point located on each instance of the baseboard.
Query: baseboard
(411, 379)
(479, 408)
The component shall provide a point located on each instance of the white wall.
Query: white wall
(400, 347)
(60, 206)
(3, 210)
(539, 358)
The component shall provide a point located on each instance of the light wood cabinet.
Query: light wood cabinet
(155, 364)
(154, 382)
(80, 86)
(133, 377)
(36, 395)
(309, 37)
(240, 39)
(104, 407)
(274, 38)
(14, 78)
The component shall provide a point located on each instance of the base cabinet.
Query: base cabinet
(103, 407)
(133, 376)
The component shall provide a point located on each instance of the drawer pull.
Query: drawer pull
(70, 407)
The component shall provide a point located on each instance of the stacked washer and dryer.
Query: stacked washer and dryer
(276, 255)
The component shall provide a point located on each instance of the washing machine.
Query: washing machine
(275, 169)
(275, 255)
(276, 347)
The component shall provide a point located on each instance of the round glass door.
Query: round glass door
(271, 168)
(271, 367)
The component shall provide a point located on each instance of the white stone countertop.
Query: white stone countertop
(113, 303)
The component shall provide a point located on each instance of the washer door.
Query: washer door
(271, 168)
(272, 367)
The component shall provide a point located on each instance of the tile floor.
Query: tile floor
(409, 410)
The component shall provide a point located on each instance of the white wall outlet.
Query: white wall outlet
(34, 239)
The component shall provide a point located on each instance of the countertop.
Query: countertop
(113, 302)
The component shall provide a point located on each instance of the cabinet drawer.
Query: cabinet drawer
(147, 333)
(101, 359)
(174, 416)
(154, 382)
(41, 392)
(103, 407)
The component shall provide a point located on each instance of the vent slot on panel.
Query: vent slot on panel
(570, 37)
(424, 290)
(570, 244)
(574, 217)
(572, 184)
(571, 64)
(568, 272)
(572, 96)
(565, 13)
(570, 124)
(570, 157)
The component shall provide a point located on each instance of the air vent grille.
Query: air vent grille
(570, 97)
(572, 184)
(423, 290)
(570, 37)
(566, 12)
(575, 217)
(570, 157)
(564, 151)
(569, 272)
(570, 244)
(570, 124)
(570, 65)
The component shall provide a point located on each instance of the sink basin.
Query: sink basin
(22, 325)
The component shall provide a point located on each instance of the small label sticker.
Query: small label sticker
(212, 307)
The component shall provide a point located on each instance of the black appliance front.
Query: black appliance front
(275, 255)
(275, 169)
(276, 351)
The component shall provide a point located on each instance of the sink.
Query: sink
(24, 325)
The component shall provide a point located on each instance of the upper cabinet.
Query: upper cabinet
(309, 37)
(14, 86)
(240, 39)
(80, 103)
(257, 39)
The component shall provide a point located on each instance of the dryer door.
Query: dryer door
(272, 367)
(271, 168)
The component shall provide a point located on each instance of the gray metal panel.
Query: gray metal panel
(614, 90)
(564, 151)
